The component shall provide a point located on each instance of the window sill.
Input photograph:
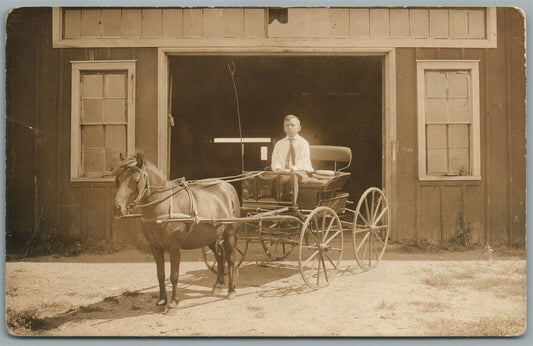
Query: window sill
(450, 180)
(92, 182)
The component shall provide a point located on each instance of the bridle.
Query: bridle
(143, 186)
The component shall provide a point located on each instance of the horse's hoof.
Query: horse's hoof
(232, 295)
(161, 302)
(173, 304)
(217, 290)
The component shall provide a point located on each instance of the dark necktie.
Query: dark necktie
(291, 155)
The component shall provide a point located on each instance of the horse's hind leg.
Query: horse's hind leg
(175, 257)
(230, 243)
(159, 256)
(219, 256)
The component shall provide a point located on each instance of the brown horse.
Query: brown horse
(141, 185)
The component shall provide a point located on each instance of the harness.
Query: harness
(145, 190)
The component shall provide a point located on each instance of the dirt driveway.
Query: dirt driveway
(468, 293)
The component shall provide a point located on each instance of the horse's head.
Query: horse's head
(131, 180)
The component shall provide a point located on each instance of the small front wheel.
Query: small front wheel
(321, 244)
(241, 249)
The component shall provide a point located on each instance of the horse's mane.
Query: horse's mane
(131, 161)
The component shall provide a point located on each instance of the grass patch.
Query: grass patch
(25, 319)
(430, 306)
(386, 306)
(485, 326)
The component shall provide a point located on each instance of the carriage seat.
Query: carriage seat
(321, 187)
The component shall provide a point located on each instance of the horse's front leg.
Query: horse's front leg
(230, 245)
(175, 258)
(159, 256)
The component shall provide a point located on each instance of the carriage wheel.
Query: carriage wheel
(371, 228)
(321, 242)
(211, 262)
(280, 238)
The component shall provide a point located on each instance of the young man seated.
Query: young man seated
(291, 154)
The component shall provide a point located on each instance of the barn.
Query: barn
(430, 100)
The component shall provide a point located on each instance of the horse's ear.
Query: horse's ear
(122, 158)
(140, 160)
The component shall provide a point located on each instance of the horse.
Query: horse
(140, 184)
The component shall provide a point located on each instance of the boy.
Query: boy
(291, 153)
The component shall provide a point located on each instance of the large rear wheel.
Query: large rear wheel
(371, 228)
(321, 244)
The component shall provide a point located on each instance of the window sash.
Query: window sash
(457, 156)
(102, 117)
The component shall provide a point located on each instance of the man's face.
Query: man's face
(291, 127)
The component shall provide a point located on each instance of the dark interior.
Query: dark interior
(337, 98)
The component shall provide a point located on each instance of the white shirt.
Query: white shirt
(302, 159)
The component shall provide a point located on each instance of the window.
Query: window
(103, 117)
(448, 120)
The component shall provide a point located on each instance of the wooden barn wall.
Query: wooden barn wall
(41, 197)
(495, 206)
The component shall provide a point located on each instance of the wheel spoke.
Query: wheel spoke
(310, 257)
(364, 219)
(377, 207)
(330, 260)
(372, 207)
(332, 237)
(367, 211)
(314, 237)
(362, 242)
(361, 230)
(329, 227)
(376, 249)
(318, 273)
(324, 267)
(381, 214)
(380, 240)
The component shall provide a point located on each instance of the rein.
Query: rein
(185, 185)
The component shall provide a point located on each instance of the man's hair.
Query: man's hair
(290, 117)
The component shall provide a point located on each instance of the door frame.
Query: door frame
(389, 141)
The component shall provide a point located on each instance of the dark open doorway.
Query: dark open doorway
(338, 99)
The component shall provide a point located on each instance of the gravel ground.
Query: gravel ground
(439, 294)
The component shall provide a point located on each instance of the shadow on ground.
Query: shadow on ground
(193, 289)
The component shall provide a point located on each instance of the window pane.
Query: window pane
(114, 110)
(115, 143)
(115, 137)
(436, 110)
(459, 110)
(93, 160)
(459, 161)
(458, 136)
(436, 136)
(92, 136)
(437, 161)
(92, 111)
(92, 85)
(115, 85)
(458, 84)
(436, 84)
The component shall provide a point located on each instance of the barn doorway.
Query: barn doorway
(339, 100)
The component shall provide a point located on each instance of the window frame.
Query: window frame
(75, 132)
(472, 66)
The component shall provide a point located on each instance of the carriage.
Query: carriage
(287, 211)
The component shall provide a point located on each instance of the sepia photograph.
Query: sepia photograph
(265, 172)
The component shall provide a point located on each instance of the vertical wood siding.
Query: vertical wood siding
(38, 122)
(441, 23)
(493, 207)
